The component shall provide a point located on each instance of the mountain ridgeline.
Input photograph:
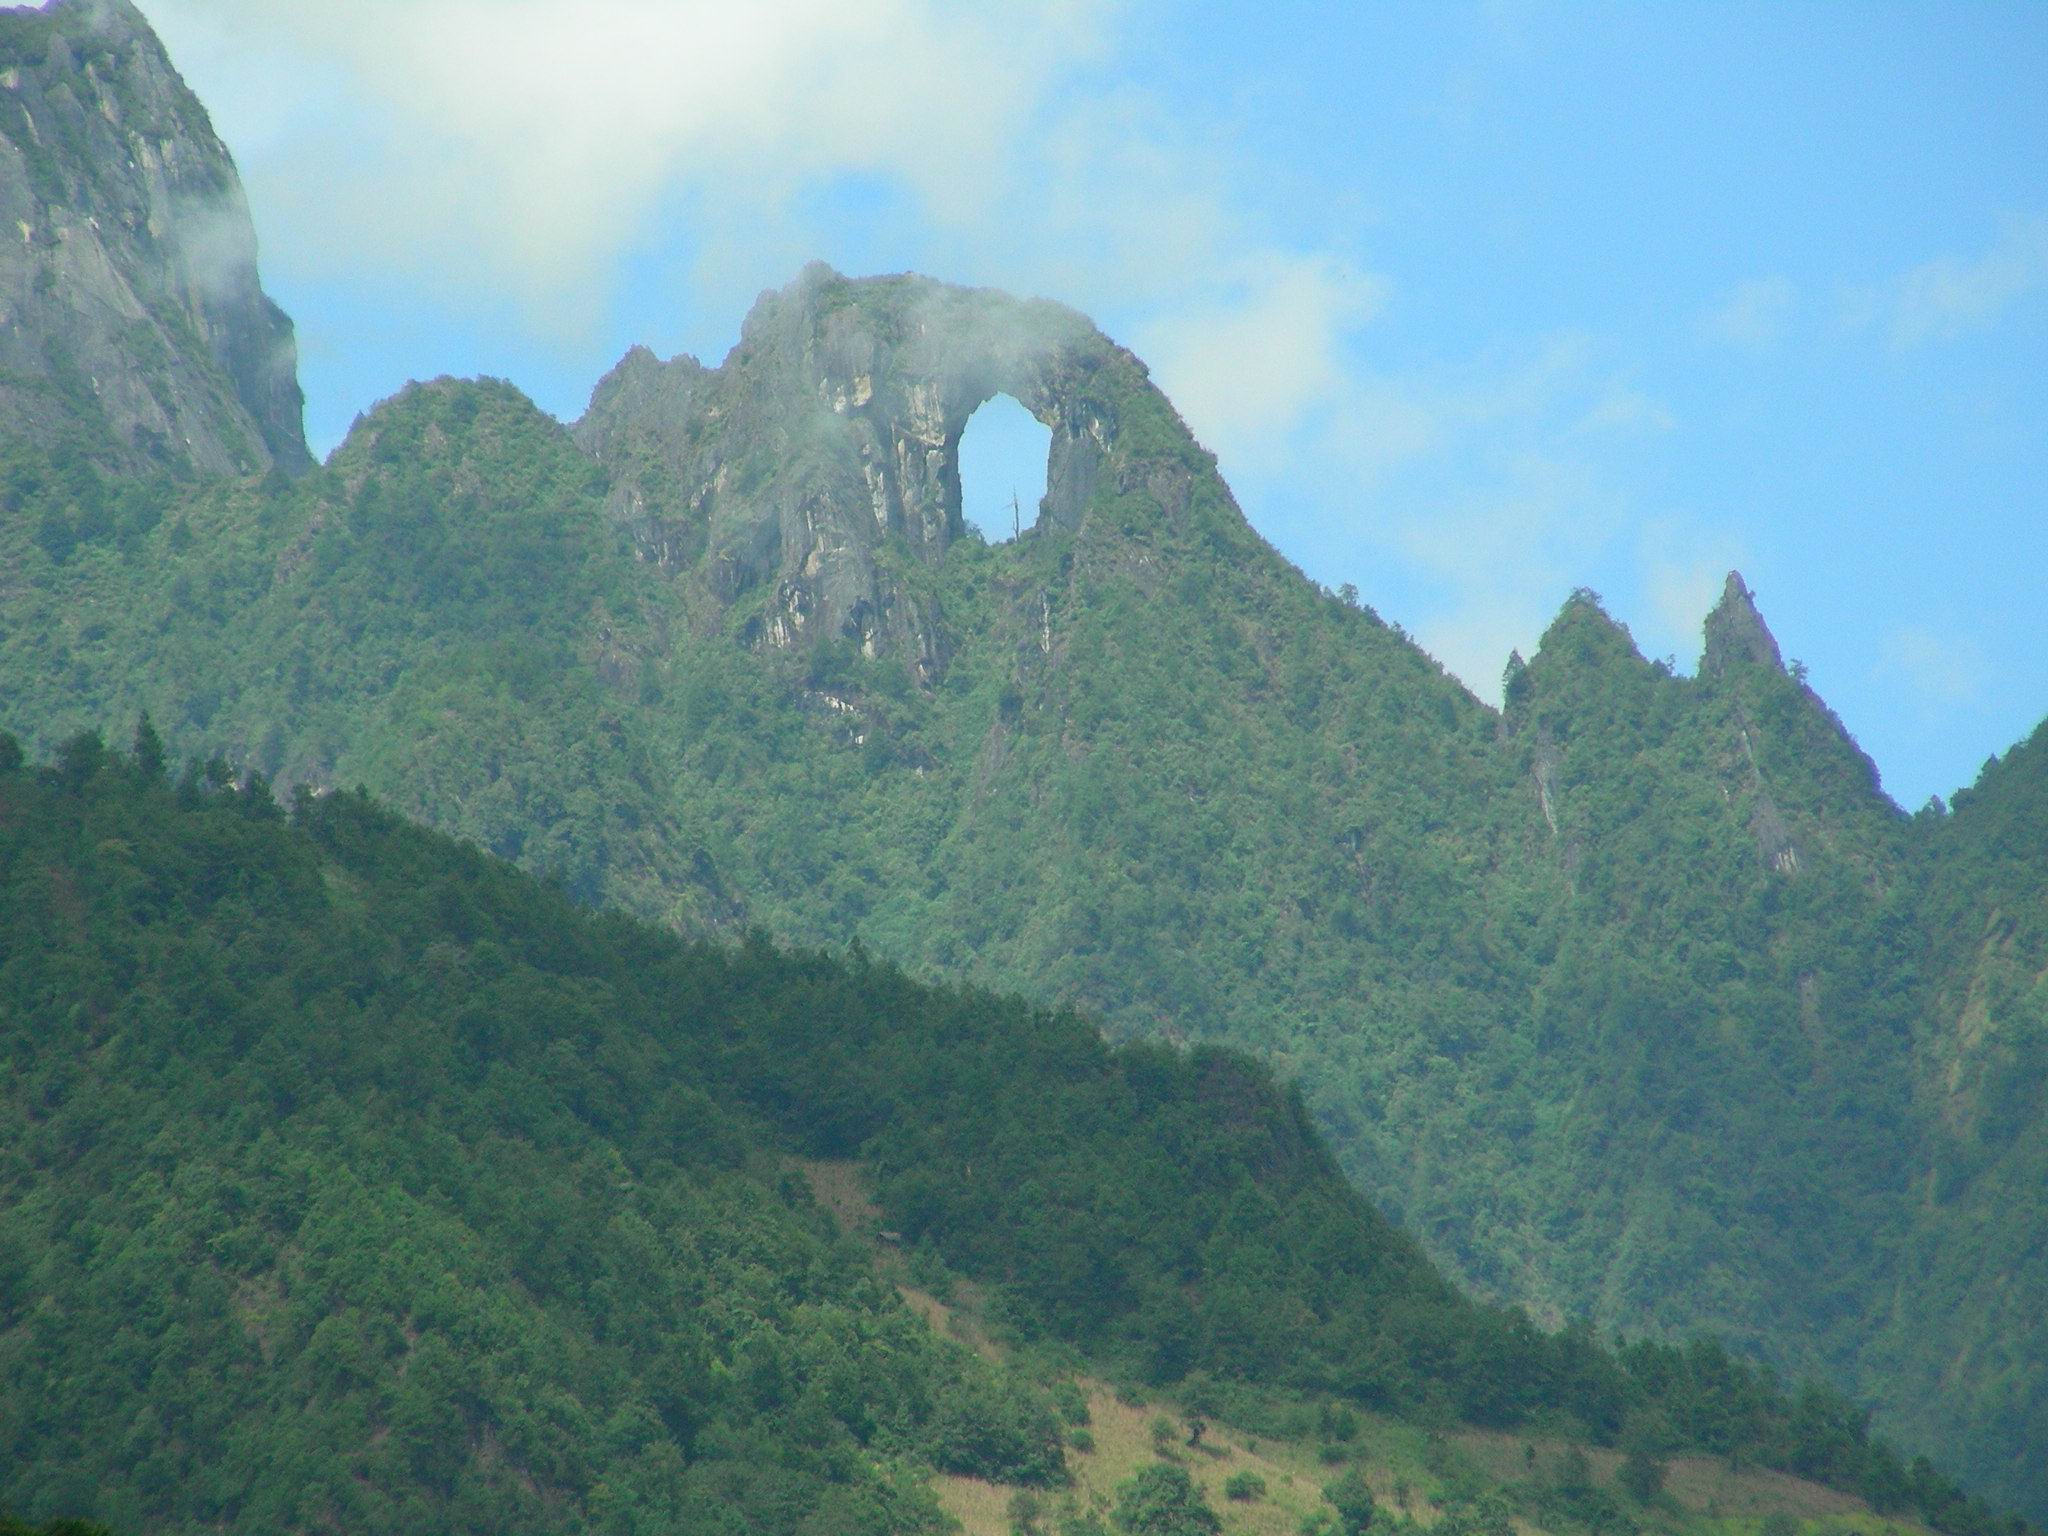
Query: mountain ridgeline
(1634, 1001)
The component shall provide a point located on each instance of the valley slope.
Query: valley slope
(350, 1179)
(1635, 1000)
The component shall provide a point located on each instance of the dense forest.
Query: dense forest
(1634, 1003)
(351, 1176)
(1629, 1068)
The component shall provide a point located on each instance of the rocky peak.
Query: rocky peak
(1736, 632)
(830, 437)
(132, 321)
(1584, 634)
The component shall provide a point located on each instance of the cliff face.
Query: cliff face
(1736, 632)
(1638, 1001)
(822, 457)
(132, 321)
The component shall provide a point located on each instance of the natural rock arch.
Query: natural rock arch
(908, 390)
(1002, 464)
(831, 434)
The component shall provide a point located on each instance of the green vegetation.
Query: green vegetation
(1636, 1003)
(12, 1527)
(349, 1175)
(1245, 1487)
(1163, 1501)
(1541, 977)
(340, 1188)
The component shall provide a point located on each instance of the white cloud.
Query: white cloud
(1951, 296)
(516, 159)
(1754, 315)
(519, 148)
(1249, 362)
(1938, 668)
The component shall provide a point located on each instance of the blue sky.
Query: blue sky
(1477, 303)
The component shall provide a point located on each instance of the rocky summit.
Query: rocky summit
(131, 316)
(1635, 1001)
(833, 432)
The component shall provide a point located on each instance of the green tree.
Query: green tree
(1351, 1496)
(149, 749)
(1642, 1473)
(1244, 1487)
(1645, 1442)
(1162, 1500)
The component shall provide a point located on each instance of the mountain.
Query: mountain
(829, 442)
(131, 317)
(1635, 1001)
(350, 1179)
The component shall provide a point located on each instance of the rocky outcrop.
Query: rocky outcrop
(131, 318)
(822, 457)
(1736, 632)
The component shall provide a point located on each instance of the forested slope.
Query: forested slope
(1635, 1000)
(1626, 999)
(350, 1178)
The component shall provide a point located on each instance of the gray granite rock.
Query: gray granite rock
(131, 317)
(824, 451)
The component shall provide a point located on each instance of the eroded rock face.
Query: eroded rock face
(831, 435)
(131, 317)
(1736, 632)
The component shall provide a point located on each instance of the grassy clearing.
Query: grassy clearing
(1412, 1471)
(1123, 1442)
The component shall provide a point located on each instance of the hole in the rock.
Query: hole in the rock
(1003, 456)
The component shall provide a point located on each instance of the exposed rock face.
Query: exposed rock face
(831, 435)
(131, 317)
(1737, 632)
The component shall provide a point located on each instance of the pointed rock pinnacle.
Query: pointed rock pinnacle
(1736, 632)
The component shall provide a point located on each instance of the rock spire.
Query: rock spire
(1736, 632)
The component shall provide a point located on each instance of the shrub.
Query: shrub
(1069, 1401)
(1352, 1498)
(1162, 1500)
(1244, 1487)
(986, 1427)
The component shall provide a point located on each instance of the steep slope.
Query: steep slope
(1966, 1321)
(349, 1179)
(132, 323)
(1636, 1000)
(1613, 997)
(827, 444)
(1728, 948)
(345, 1187)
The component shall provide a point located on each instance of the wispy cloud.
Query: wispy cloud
(515, 158)
(520, 147)
(1951, 296)
(1504, 555)
(1937, 668)
(1683, 570)
(1251, 360)
(1623, 409)
(518, 157)
(1754, 315)
(1492, 487)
